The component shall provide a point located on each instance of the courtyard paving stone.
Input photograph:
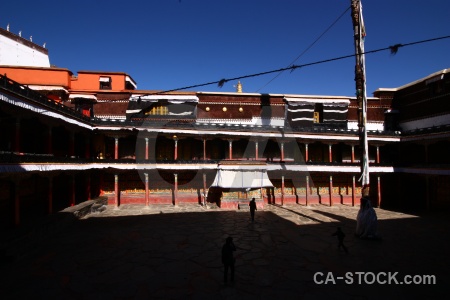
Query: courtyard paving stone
(173, 252)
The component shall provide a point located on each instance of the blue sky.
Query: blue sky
(168, 44)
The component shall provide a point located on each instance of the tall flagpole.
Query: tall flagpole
(360, 79)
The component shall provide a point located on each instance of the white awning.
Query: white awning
(105, 79)
(312, 100)
(242, 179)
(175, 99)
(86, 96)
(47, 88)
(128, 79)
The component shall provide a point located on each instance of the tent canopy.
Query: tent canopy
(241, 179)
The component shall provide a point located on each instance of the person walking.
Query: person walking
(228, 258)
(252, 205)
(340, 236)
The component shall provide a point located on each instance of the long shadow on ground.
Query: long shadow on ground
(177, 256)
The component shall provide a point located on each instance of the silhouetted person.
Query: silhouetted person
(340, 235)
(228, 258)
(252, 205)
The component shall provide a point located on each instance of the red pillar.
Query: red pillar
(116, 191)
(353, 190)
(87, 150)
(330, 153)
(175, 155)
(146, 190)
(49, 141)
(204, 149)
(204, 189)
(306, 153)
(101, 184)
(72, 195)
(88, 186)
(50, 195)
(116, 148)
(307, 190)
(353, 153)
(379, 192)
(17, 136)
(71, 144)
(230, 149)
(331, 190)
(146, 149)
(256, 150)
(17, 201)
(282, 150)
(282, 189)
(175, 190)
(378, 154)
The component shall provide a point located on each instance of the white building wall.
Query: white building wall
(426, 122)
(370, 126)
(14, 53)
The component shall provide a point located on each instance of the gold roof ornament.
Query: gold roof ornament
(239, 87)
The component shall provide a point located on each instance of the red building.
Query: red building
(67, 139)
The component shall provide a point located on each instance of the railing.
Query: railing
(38, 98)
(30, 158)
(183, 122)
(427, 130)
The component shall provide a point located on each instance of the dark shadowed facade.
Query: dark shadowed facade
(66, 139)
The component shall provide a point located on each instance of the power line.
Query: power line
(309, 47)
(393, 49)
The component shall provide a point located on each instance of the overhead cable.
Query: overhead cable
(309, 47)
(393, 49)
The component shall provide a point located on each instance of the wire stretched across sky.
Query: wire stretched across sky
(393, 49)
(307, 48)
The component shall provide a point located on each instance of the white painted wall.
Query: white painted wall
(426, 122)
(372, 126)
(14, 53)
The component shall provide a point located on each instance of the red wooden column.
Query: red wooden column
(331, 190)
(282, 190)
(146, 190)
(378, 154)
(379, 193)
(230, 149)
(353, 190)
(306, 152)
(101, 184)
(353, 153)
(71, 144)
(72, 192)
(16, 201)
(116, 147)
(175, 189)
(17, 136)
(116, 191)
(87, 149)
(330, 152)
(88, 186)
(282, 150)
(256, 150)
(307, 190)
(50, 140)
(146, 149)
(50, 195)
(175, 154)
(204, 148)
(204, 189)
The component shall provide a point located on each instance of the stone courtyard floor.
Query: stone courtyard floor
(168, 252)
